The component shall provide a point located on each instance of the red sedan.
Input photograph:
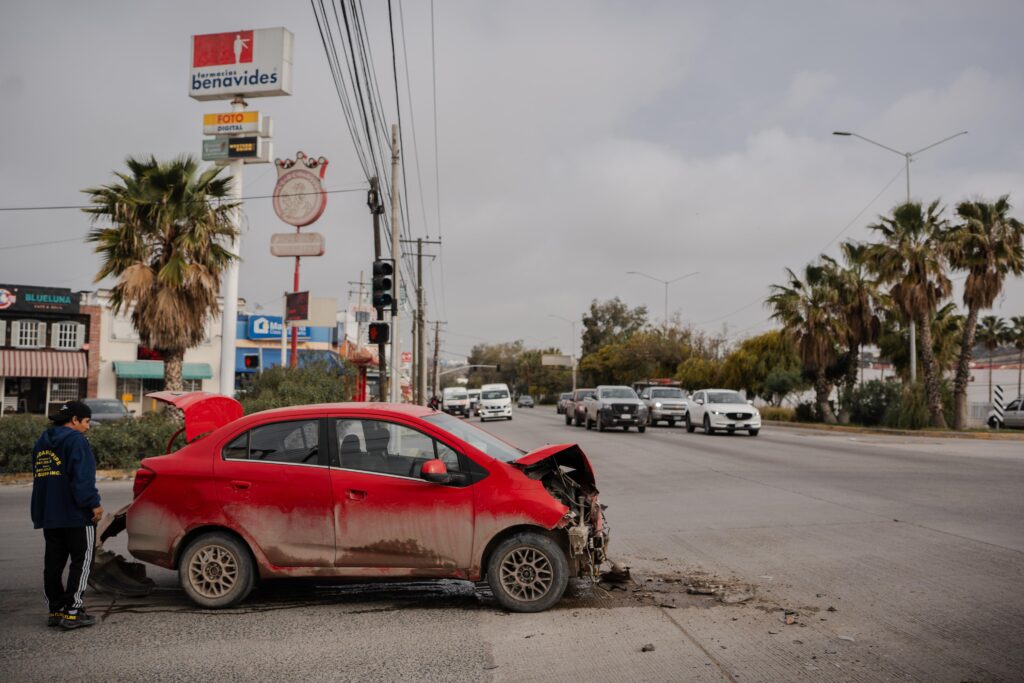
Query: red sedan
(359, 491)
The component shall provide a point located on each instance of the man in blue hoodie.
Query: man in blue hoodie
(66, 506)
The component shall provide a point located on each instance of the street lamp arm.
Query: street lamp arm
(683, 277)
(874, 142)
(649, 277)
(936, 144)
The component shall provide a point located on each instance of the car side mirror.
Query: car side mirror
(435, 471)
(699, 401)
(749, 402)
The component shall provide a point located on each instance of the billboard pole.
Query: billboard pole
(229, 316)
(396, 254)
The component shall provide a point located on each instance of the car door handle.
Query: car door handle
(353, 494)
(240, 485)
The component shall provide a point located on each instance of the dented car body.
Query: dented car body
(363, 491)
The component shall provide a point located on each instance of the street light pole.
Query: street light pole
(572, 349)
(664, 282)
(908, 156)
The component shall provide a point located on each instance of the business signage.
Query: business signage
(237, 123)
(250, 63)
(297, 244)
(250, 149)
(299, 197)
(269, 327)
(296, 306)
(38, 299)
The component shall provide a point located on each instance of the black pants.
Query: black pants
(77, 543)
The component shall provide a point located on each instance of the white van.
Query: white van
(495, 402)
(455, 401)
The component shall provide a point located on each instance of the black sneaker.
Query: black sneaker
(76, 619)
(55, 618)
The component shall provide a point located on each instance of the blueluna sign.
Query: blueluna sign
(251, 63)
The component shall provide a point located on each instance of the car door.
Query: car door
(385, 514)
(275, 486)
(697, 408)
(1014, 414)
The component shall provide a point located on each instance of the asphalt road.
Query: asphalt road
(901, 557)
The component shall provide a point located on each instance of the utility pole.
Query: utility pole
(437, 353)
(376, 209)
(419, 362)
(396, 254)
(229, 313)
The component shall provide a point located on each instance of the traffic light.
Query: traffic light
(382, 283)
(252, 362)
(379, 333)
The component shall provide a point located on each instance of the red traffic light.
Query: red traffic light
(251, 362)
(379, 333)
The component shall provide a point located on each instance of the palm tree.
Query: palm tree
(167, 245)
(910, 259)
(856, 306)
(988, 244)
(805, 307)
(992, 332)
(1017, 337)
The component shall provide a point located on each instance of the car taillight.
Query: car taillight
(142, 479)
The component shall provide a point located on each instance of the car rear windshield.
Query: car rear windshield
(724, 397)
(497, 393)
(618, 392)
(476, 437)
(667, 393)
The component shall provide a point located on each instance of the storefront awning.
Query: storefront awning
(154, 369)
(21, 363)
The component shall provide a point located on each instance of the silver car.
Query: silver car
(1013, 415)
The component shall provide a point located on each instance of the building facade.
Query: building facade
(50, 344)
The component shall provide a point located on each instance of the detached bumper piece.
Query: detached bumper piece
(111, 574)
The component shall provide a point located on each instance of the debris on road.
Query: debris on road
(114, 575)
(617, 574)
(789, 617)
(831, 609)
(649, 647)
(849, 639)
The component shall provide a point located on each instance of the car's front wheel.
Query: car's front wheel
(708, 429)
(568, 418)
(690, 427)
(216, 570)
(753, 432)
(528, 572)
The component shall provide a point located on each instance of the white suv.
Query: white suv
(715, 409)
(495, 402)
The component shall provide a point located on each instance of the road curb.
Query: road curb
(941, 434)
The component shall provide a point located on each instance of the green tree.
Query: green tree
(609, 322)
(167, 245)
(750, 365)
(988, 244)
(1017, 337)
(278, 387)
(856, 306)
(805, 306)
(696, 373)
(910, 260)
(505, 356)
(993, 332)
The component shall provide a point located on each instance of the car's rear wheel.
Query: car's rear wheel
(586, 421)
(568, 419)
(708, 429)
(600, 423)
(528, 572)
(216, 570)
(690, 427)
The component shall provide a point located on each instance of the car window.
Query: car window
(295, 442)
(388, 448)
(618, 392)
(1014, 405)
(729, 397)
(476, 437)
(494, 394)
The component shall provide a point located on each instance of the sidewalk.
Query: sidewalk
(984, 435)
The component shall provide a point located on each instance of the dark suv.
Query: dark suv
(574, 409)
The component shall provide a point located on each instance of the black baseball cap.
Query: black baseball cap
(70, 410)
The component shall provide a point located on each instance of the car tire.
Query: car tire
(216, 570)
(587, 422)
(568, 419)
(625, 428)
(509, 418)
(600, 423)
(528, 572)
(753, 432)
(994, 423)
(641, 429)
(708, 429)
(690, 427)
(671, 422)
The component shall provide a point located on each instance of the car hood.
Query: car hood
(620, 400)
(562, 455)
(202, 410)
(731, 407)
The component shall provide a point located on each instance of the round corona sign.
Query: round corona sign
(299, 197)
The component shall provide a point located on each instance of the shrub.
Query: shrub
(870, 401)
(18, 434)
(807, 411)
(910, 411)
(314, 383)
(778, 413)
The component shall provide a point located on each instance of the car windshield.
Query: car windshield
(565, 397)
(724, 397)
(494, 394)
(106, 406)
(526, 397)
(618, 392)
(476, 437)
(667, 393)
(580, 395)
(456, 395)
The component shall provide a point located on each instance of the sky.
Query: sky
(576, 141)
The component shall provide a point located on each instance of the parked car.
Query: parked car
(107, 409)
(664, 403)
(357, 490)
(525, 401)
(1013, 415)
(474, 401)
(614, 406)
(495, 402)
(576, 410)
(715, 409)
(564, 401)
(455, 401)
